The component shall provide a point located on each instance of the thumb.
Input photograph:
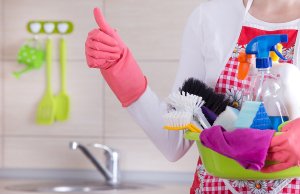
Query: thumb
(103, 25)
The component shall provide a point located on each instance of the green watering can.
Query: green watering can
(32, 55)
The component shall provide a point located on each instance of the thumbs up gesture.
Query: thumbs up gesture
(103, 46)
(105, 50)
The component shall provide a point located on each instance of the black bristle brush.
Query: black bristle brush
(217, 103)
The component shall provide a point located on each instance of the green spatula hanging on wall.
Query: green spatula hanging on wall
(46, 108)
(62, 100)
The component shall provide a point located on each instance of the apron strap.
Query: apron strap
(276, 190)
(279, 188)
(248, 6)
(229, 187)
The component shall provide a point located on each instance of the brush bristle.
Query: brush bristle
(178, 119)
(215, 102)
(187, 102)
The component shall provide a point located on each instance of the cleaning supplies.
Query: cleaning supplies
(246, 71)
(241, 145)
(253, 115)
(261, 47)
(265, 87)
(180, 120)
(188, 103)
(245, 68)
(209, 115)
(226, 168)
(289, 81)
(217, 103)
(275, 58)
(185, 113)
(46, 108)
(62, 100)
(227, 118)
(184, 102)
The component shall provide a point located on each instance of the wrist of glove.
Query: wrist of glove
(284, 148)
(105, 50)
(125, 78)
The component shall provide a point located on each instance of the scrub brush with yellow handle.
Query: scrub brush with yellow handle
(185, 102)
(180, 120)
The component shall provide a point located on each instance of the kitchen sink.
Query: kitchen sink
(76, 187)
(110, 173)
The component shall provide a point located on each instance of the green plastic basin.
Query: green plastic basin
(224, 167)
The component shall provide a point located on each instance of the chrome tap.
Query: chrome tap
(111, 172)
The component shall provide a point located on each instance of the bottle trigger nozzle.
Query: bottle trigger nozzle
(278, 53)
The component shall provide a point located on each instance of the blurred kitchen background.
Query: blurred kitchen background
(152, 30)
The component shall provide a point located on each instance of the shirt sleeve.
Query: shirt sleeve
(148, 110)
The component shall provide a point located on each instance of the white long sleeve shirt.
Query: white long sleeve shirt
(209, 38)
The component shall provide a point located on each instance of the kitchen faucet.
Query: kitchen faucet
(111, 173)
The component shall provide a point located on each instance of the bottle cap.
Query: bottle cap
(263, 63)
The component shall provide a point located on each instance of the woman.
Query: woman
(215, 33)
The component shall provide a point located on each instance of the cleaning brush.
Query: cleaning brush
(180, 120)
(188, 103)
(217, 103)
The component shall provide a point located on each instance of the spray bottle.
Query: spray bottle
(265, 86)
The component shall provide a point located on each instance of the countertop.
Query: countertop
(148, 182)
(158, 188)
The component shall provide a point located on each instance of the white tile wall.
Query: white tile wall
(17, 13)
(1, 30)
(153, 31)
(43, 153)
(22, 97)
(1, 151)
(1, 83)
(140, 154)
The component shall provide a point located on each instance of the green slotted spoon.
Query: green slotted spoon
(46, 108)
(62, 100)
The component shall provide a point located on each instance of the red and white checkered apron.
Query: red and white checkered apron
(229, 84)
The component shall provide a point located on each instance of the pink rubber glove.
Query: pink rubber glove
(105, 50)
(284, 148)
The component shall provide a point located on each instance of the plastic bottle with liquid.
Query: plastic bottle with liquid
(265, 86)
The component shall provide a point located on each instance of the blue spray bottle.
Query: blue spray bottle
(265, 86)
